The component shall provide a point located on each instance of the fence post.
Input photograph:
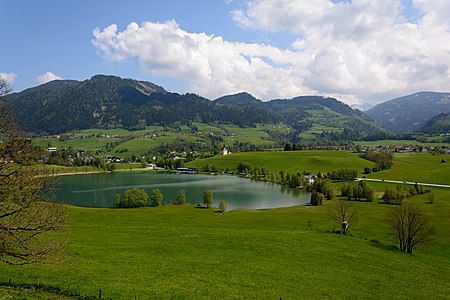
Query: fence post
(100, 294)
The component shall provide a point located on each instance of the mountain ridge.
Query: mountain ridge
(411, 112)
(106, 101)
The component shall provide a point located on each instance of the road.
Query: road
(405, 182)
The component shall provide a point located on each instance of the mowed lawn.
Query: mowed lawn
(289, 161)
(291, 253)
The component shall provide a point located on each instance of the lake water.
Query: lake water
(98, 190)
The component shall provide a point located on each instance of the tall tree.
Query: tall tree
(156, 197)
(208, 198)
(410, 227)
(27, 212)
(181, 198)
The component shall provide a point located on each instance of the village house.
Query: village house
(224, 151)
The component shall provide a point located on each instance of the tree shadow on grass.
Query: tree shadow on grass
(381, 245)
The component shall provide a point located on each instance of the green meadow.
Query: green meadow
(289, 161)
(182, 252)
(417, 167)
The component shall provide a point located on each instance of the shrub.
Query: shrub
(134, 198)
(181, 198)
(317, 198)
(156, 197)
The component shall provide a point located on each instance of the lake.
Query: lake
(98, 190)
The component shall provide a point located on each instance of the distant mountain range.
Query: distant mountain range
(410, 113)
(111, 102)
(438, 124)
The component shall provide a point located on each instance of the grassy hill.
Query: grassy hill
(184, 252)
(290, 161)
(418, 167)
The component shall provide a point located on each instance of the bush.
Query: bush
(181, 198)
(134, 198)
(208, 198)
(156, 197)
(317, 198)
(223, 206)
(323, 186)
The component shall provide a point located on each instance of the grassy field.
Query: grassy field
(183, 252)
(97, 139)
(291, 161)
(92, 144)
(418, 167)
(399, 143)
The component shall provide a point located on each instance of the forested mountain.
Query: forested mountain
(410, 113)
(437, 125)
(306, 112)
(110, 102)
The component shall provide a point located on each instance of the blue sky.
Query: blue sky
(362, 51)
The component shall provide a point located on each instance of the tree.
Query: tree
(410, 227)
(208, 198)
(27, 210)
(223, 206)
(181, 198)
(243, 167)
(134, 198)
(117, 201)
(343, 213)
(156, 197)
(316, 198)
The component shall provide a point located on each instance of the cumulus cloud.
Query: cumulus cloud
(46, 77)
(360, 51)
(210, 65)
(10, 78)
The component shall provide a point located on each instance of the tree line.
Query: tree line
(137, 197)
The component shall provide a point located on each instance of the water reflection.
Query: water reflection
(98, 190)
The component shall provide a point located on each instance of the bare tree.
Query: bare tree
(410, 227)
(26, 212)
(343, 213)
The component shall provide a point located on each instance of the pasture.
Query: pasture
(184, 252)
(289, 161)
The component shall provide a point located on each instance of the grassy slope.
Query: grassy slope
(396, 143)
(292, 161)
(139, 146)
(418, 167)
(184, 252)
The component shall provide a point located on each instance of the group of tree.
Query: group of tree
(137, 197)
(323, 186)
(398, 194)
(295, 180)
(343, 174)
(362, 191)
(383, 160)
(27, 209)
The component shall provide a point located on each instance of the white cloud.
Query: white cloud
(10, 78)
(46, 77)
(361, 51)
(210, 65)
